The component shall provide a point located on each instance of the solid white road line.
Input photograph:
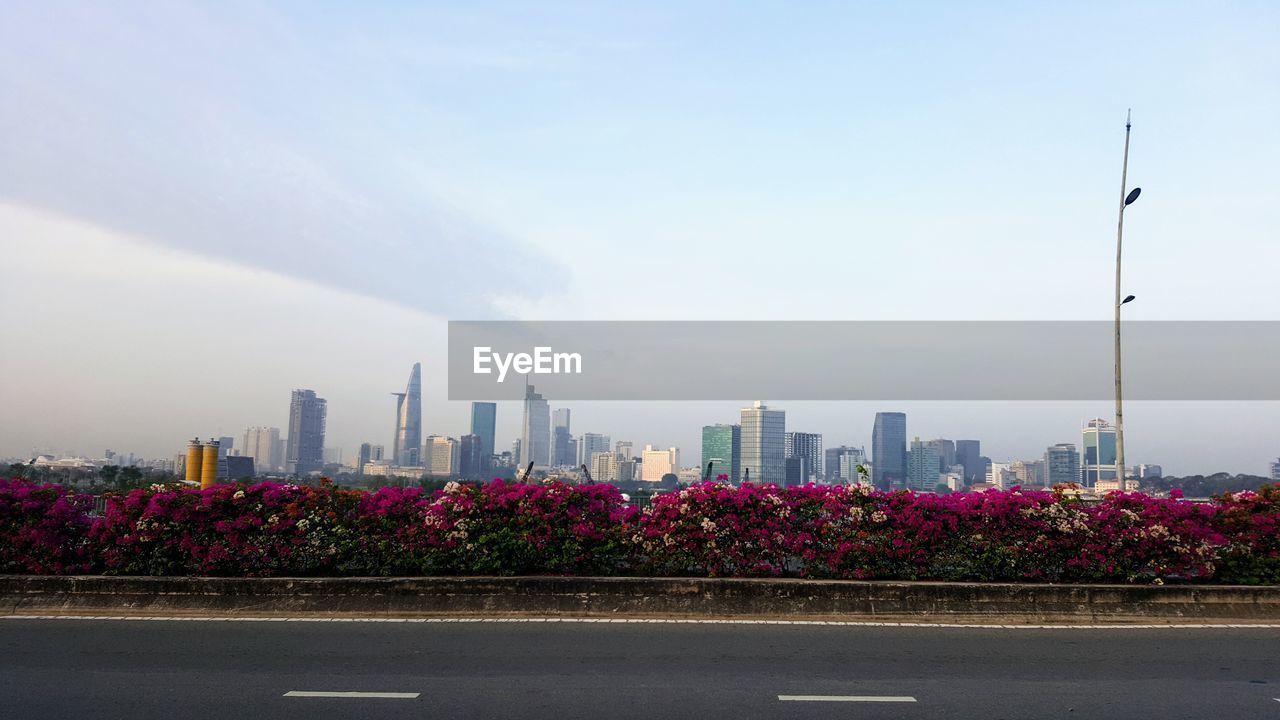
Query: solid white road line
(846, 698)
(670, 621)
(322, 694)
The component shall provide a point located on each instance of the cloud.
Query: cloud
(244, 139)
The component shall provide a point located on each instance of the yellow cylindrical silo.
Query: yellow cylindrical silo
(194, 457)
(209, 465)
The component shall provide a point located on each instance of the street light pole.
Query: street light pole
(1126, 199)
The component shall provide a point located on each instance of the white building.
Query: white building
(441, 456)
(655, 463)
(764, 432)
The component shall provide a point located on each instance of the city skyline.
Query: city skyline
(887, 151)
(491, 412)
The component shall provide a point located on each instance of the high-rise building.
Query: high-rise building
(262, 444)
(590, 444)
(889, 450)
(625, 448)
(1099, 461)
(1001, 475)
(562, 444)
(225, 446)
(840, 464)
(604, 466)
(797, 471)
(363, 457)
(1147, 471)
(764, 458)
(535, 430)
(722, 447)
(470, 466)
(1062, 464)
(304, 451)
(1275, 470)
(946, 450)
(1029, 473)
(484, 420)
(657, 463)
(922, 467)
(441, 456)
(809, 447)
(408, 437)
(969, 455)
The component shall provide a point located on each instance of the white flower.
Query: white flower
(708, 526)
(239, 494)
(452, 488)
(878, 516)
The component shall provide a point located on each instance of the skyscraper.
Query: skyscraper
(922, 467)
(946, 450)
(590, 444)
(969, 454)
(484, 419)
(561, 440)
(809, 447)
(469, 465)
(408, 437)
(764, 442)
(1099, 460)
(1062, 464)
(363, 457)
(535, 430)
(889, 450)
(722, 447)
(840, 464)
(1275, 470)
(262, 444)
(304, 451)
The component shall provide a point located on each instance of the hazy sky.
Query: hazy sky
(203, 206)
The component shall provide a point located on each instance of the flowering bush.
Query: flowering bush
(256, 530)
(1250, 522)
(709, 529)
(497, 529)
(43, 529)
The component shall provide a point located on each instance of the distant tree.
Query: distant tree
(108, 473)
(942, 489)
(128, 477)
(1203, 486)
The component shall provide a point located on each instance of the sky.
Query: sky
(206, 205)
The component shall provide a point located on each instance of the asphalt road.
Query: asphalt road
(183, 670)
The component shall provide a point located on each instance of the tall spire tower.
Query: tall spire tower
(407, 445)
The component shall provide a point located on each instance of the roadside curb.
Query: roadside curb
(638, 598)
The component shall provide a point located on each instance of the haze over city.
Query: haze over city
(205, 207)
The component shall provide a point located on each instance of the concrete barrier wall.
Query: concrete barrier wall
(637, 597)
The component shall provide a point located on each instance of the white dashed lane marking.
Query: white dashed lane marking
(846, 698)
(324, 694)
